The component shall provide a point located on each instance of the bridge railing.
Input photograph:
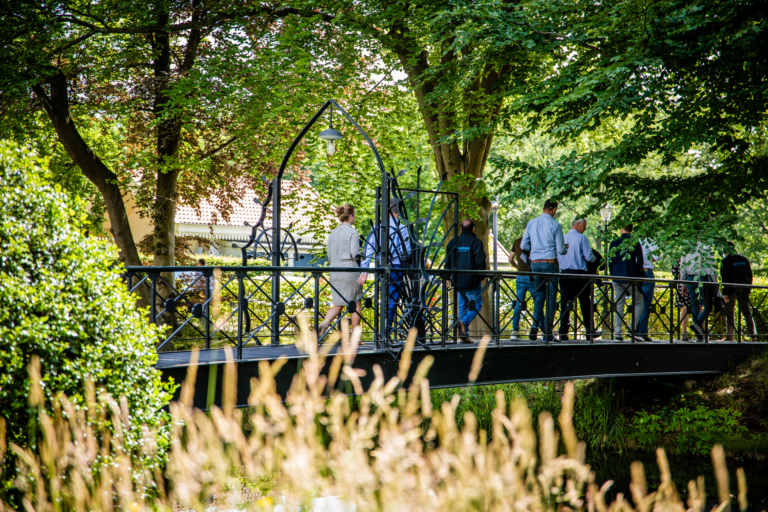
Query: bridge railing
(212, 307)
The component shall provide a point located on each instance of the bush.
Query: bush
(62, 300)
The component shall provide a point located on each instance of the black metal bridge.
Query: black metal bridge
(587, 325)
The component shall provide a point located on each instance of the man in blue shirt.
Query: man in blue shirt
(575, 262)
(544, 238)
(467, 253)
(399, 251)
(626, 264)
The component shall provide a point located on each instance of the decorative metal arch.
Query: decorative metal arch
(277, 211)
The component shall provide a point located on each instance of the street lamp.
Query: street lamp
(331, 136)
(495, 209)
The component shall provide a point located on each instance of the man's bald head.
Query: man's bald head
(467, 225)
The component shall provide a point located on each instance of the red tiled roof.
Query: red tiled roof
(249, 211)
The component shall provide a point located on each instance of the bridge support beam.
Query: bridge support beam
(503, 364)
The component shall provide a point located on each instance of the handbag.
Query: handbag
(718, 304)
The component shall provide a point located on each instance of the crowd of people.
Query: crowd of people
(544, 249)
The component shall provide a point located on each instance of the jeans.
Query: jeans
(396, 290)
(467, 314)
(700, 294)
(570, 290)
(539, 283)
(647, 291)
(524, 285)
(620, 292)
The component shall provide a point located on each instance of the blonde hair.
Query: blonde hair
(344, 211)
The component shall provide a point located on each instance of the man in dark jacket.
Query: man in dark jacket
(735, 269)
(467, 253)
(626, 264)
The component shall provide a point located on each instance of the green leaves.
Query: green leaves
(62, 299)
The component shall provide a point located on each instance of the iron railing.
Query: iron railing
(208, 307)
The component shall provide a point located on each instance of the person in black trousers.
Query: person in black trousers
(735, 269)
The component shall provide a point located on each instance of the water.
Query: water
(612, 466)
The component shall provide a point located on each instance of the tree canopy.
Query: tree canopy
(672, 97)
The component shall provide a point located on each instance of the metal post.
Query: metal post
(377, 327)
(497, 308)
(632, 325)
(207, 308)
(317, 300)
(444, 316)
(240, 305)
(454, 288)
(591, 288)
(276, 200)
(671, 304)
(738, 318)
(153, 299)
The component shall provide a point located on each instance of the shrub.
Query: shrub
(62, 300)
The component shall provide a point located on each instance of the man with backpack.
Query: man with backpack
(467, 253)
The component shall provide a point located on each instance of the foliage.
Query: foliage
(672, 95)
(686, 430)
(62, 301)
(378, 457)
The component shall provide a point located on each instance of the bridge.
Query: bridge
(239, 327)
(250, 313)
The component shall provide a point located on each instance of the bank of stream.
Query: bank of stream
(623, 420)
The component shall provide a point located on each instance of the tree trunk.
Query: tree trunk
(449, 158)
(57, 107)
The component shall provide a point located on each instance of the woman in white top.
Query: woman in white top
(343, 251)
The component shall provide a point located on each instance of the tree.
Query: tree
(62, 301)
(185, 83)
(684, 86)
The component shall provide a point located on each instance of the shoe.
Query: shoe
(638, 339)
(685, 337)
(534, 334)
(697, 328)
(619, 338)
(563, 337)
(647, 338)
(515, 336)
(463, 333)
(597, 334)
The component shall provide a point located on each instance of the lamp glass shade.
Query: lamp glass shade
(331, 147)
(495, 206)
(606, 212)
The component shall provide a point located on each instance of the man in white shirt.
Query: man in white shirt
(544, 238)
(575, 262)
(650, 256)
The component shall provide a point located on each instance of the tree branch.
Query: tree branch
(198, 24)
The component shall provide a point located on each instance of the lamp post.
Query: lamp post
(331, 135)
(605, 213)
(495, 210)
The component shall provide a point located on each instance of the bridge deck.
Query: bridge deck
(519, 361)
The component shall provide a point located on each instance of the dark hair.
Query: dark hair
(629, 227)
(201, 261)
(467, 225)
(344, 211)
(730, 244)
(393, 201)
(550, 204)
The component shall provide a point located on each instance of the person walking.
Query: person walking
(574, 261)
(399, 241)
(343, 251)
(698, 267)
(467, 253)
(543, 237)
(736, 269)
(524, 285)
(650, 256)
(626, 264)
(683, 300)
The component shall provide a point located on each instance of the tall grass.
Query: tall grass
(393, 451)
